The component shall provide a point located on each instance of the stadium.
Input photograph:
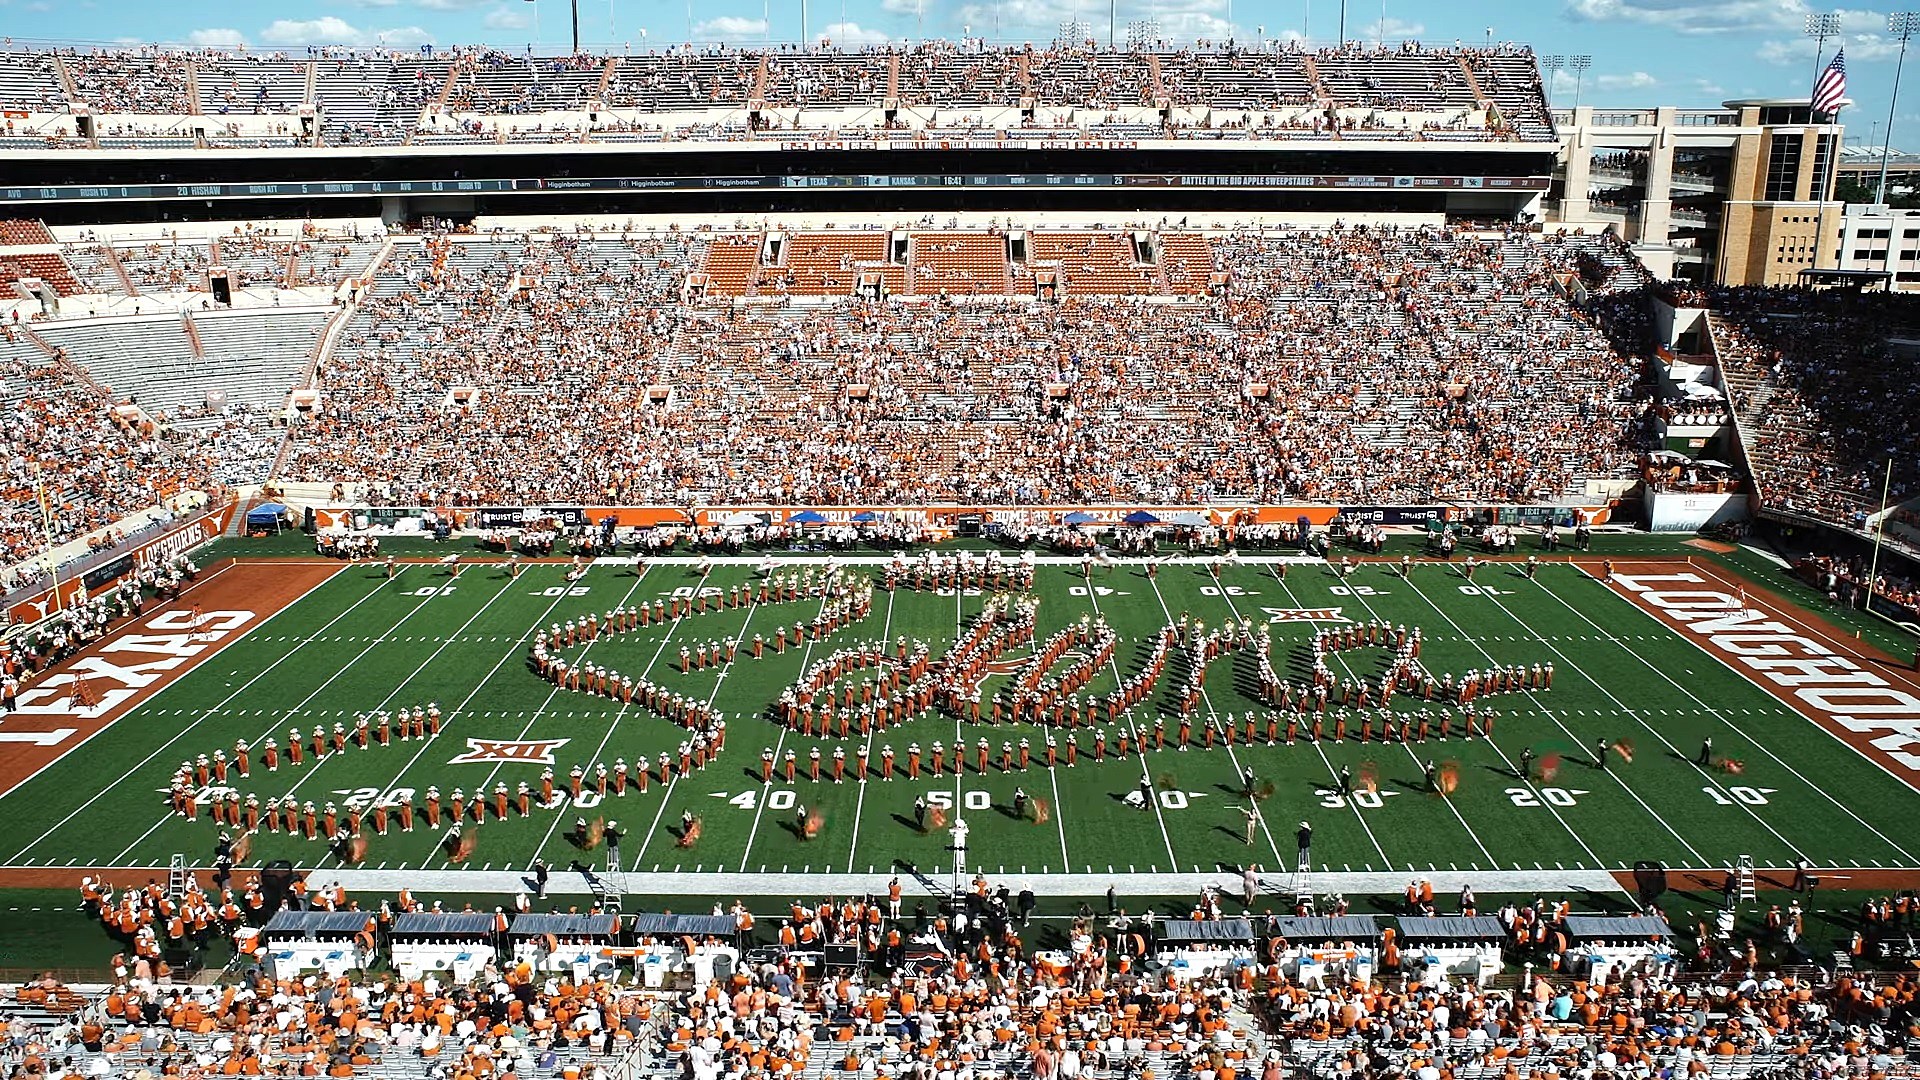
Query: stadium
(950, 561)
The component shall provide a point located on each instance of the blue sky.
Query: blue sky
(1645, 52)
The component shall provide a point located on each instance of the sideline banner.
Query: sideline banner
(98, 579)
(939, 516)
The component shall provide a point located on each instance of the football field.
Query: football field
(1783, 780)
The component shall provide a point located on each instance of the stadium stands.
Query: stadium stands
(1450, 353)
(94, 464)
(145, 96)
(994, 993)
(1825, 399)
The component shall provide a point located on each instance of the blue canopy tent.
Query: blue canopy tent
(865, 516)
(268, 516)
(1080, 517)
(1140, 517)
(807, 517)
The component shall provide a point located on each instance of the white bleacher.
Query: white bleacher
(28, 81)
(242, 83)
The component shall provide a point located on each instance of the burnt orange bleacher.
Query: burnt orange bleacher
(1187, 259)
(18, 231)
(49, 268)
(830, 263)
(1093, 263)
(960, 263)
(731, 261)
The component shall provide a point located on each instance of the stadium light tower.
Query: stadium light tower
(1900, 24)
(1553, 64)
(1579, 66)
(1821, 26)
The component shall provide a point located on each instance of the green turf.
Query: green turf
(360, 642)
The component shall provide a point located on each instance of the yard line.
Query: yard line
(203, 717)
(753, 830)
(860, 798)
(1527, 780)
(1279, 861)
(459, 711)
(1748, 736)
(666, 795)
(422, 666)
(1534, 697)
(1140, 748)
(283, 717)
(1636, 714)
(532, 718)
(1326, 761)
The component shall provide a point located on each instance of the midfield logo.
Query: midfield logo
(535, 752)
(1319, 614)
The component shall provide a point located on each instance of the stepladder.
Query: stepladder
(1743, 880)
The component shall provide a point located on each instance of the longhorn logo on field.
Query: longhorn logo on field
(531, 752)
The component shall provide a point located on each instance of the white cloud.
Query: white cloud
(332, 30)
(506, 18)
(1039, 20)
(730, 28)
(218, 37)
(904, 7)
(852, 33)
(1861, 48)
(1637, 80)
(1390, 29)
(443, 5)
(1694, 16)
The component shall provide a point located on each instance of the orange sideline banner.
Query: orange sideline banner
(89, 583)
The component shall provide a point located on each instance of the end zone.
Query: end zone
(1854, 692)
(83, 695)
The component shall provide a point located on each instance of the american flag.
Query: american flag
(1831, 86)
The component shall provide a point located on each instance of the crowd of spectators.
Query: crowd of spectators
(74, 464)
(378, 96)
(1825, 399)
(1450, 355)
(975, 988)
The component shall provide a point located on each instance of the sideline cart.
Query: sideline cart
(1187, 949)
(1463, 946)
(1608, 946)
(702, 947)
(1313, 949)
(333, 942)
(579, 944)
(458, 944)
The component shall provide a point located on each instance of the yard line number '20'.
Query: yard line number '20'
(1553, 796)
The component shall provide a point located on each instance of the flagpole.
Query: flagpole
(1879, 531)
(1837, 67)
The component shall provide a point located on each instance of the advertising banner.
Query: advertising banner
(97, 579)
